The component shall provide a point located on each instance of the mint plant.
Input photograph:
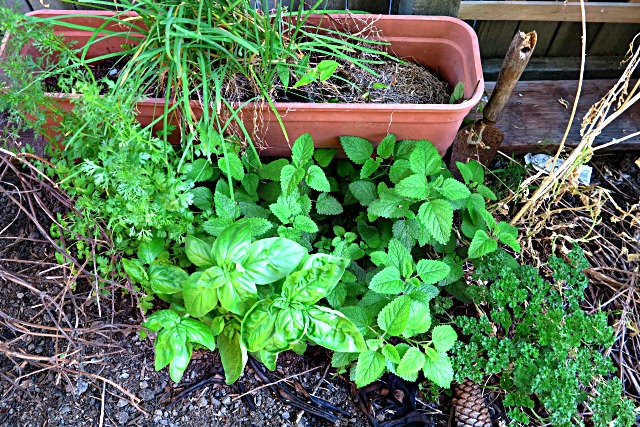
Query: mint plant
(544, 347)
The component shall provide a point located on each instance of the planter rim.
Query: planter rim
(468, 103)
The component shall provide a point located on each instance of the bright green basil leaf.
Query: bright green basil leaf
(432, 271)
(438, 368)
(411, 363)
(290, 326)
(258, 325)
(370, 367)
(135, 270)
(394, 316)
(180, 362)
(453, 190)
(387, 281)
(169, 343)
(311, 285)
(217, 325)
(199, 252)
(481, 244)
(437, 217)
(357, 149)
(232, 244)
(233, 354)
(238, 293)
(198, 332)
(302, 149)
(166, 279)
(200, 297)
(425, 159)
(268, 359)
(443, 338)
(458, 93)
(269, 260)
(385, 148)
(149, 251)
(161, 319)
(317, 180)
(332, 330)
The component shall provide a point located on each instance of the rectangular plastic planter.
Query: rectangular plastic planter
(445, 45)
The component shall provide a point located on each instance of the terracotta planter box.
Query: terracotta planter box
(445, 45)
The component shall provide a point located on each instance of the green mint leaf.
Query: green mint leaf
(419, 320)
(324, 156)
(437, 217)
(370, 367)
(425, 159)
(411, 363)
(302, 150)
(386, 146)
(304, 223)
(391, 353)
(414, 187)
(394, 316)
(453, 190)
(202, 198)
(369, 234)
(369, 167)
(215, 226)
(363, 191)
(235, 166)
(328, 205)
(432, 271)
(472, 172)
(486, 192)
(290, 177)
(225, 207)
(317, 180)
(200, 170)
(399, 254)
(272, 171)
(148, 251)
(250, 184)
(387, 281)
(282, 212)
(443, 338)
(390, 205)
(508, 234)
(438, 368)
(400, 169)
(360, 317)
(357, 149)
(481, 244)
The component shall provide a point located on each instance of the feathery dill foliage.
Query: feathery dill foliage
(546, 349)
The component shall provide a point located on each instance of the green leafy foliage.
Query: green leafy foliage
(541, 343)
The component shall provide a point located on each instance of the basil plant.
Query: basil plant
(245, 296)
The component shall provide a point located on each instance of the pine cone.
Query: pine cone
(470, 409)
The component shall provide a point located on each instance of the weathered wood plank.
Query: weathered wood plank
(549, 11)
(562, 68)
(50, 4)
(568, 39)
(613, 39)
(534, 119)
(372, 6)
(494, 37)
(429, 7)
(21, 6)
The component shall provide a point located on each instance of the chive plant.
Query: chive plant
(190, 49)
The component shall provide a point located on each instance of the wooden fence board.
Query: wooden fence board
(369, 6)
(429, 7)
(613, 39)
(568, 39)
(534, 116)
(494, 37)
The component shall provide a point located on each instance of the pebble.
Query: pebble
(81, 386)
(285, 415)
(147, 394)
(122, 403)
(122, 417)
(202, 402)
(216, 403)
(144, 384)
(124, 375)
(226, 401)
